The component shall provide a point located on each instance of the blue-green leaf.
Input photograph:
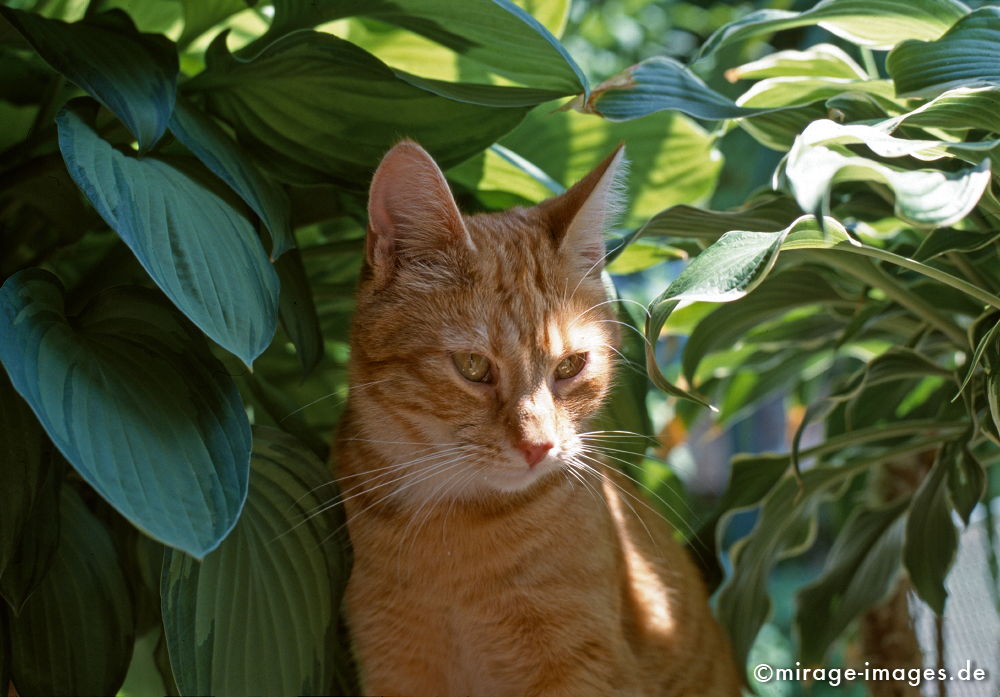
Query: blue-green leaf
(272, 629)
(219, 153)
(75, 634)
(965, 56)
(131, 396)
(132, 74)
(197, 247)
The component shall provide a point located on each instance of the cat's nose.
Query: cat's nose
(534, 452)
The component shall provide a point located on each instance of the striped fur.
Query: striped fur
(475, 573)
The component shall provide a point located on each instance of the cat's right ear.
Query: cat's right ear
(410, 210)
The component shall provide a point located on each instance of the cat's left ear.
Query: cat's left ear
(579, 217)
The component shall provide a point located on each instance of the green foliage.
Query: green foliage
(182, 198)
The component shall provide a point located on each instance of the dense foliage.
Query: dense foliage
(182, 199)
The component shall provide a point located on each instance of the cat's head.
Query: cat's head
(482, 344)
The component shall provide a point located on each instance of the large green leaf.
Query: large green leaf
(875, 23)
(768, 214)
(496, 34)
(259, 615)
(672, 159)
(821, 60)
(132, 74)
(927, 197)
(131, 396)
(931, 537)
(202, 15)
(963, 108)
(22, 467)
(963, 57)
(723, 328)
(312, 107)
(297, 310)
(658, 84)
(220, 154)
(732, 267)
(861, 570)
(743, 604)
(74, 635)
(183, 234)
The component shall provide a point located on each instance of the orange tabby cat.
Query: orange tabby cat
(488, 560)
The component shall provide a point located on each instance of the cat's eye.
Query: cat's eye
(570, 366)
(473, 366)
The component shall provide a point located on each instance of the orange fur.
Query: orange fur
(476, 573)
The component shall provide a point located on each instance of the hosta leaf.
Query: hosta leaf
(220, 154)
(132, 398)
(963, 57)
(23, 464)
(658, 84)
(74, 635)
(925, 197)
(743, 604)
(723, 328)
(931, 537)
(182, 234)
(499, 171)
(962, 108)
(768, 214)
(821, 60)
(729, 269)
(875, 23)
(132, 74)
(861, 570)
(496, 34)
(676, 157)
(273, 629)
(944, 240)
(202, 15)
(312, 107)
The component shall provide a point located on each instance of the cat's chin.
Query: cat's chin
(521, 479)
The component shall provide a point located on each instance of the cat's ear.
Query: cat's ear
(579, 217)
(410, 209)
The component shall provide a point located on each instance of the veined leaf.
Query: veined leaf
(677, 158)
(860, 571)
(202, 15)
(497, 34)
(821, 60)
(182, 234)
(962, 108)
(879, 24)
(658, 84)
(75, 634)
(219, 153)
(133, 399)
(134, 75)
(336, 109)
(963, 57)
(769, 214)
(775, 296)
(931, 538)
(925, 197)
(282, 566)
(729, 269)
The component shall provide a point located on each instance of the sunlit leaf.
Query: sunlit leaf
(875, 23)
(963, 57)
(821, 60)
(336, 109)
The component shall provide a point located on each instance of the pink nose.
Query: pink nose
(534, 452)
